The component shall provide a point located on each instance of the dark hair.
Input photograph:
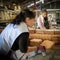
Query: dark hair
(44, 10)
(21, 17)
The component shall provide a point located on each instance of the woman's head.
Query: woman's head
(26, 16)
(44, 13)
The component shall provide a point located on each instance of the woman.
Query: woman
(16, 34)
(42, 21)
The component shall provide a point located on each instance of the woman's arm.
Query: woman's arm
(23, 42)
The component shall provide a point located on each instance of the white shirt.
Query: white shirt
(40, 22)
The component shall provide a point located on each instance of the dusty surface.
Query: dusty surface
(50, 56)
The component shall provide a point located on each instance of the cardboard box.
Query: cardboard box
(35, 42)
(48, 44)
(41, 36)
(31, 31)
(49, 32)
(38, 31)
(57, 32)
(31, 48)
(56, 38)
(46, 31)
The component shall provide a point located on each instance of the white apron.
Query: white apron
(9, 35)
